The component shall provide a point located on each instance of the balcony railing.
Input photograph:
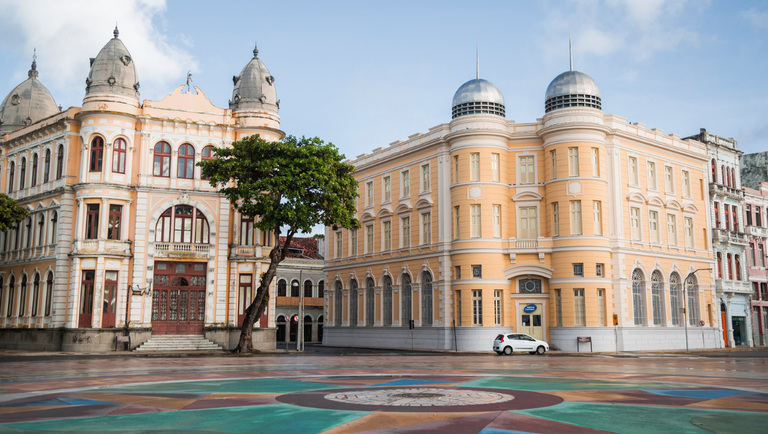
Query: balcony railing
(178, 247)
(757, 231)
(32, 252)
(527, 244)
(726, 191)
(89, 244)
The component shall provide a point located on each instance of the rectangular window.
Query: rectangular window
(578, 270)
(528, 229)
(369, 194)
(92, 222)
(599, 270)
(387, 235)
(653, 223)
(387, 189)
(595, 162)
(369, 239)
(761, 255)
(749, 214)
(338, 244)
(458, 272)
(634, 224)
(689, 232)
(456, 169)
(573, 161)
(576, 217)
(632, 168)
(686, 183)
(406, 182)
(751, 255)
(497, 307)
(495, 167)
(457, 222)
(601, 306)
(578, 308)
(596, 219)
(474, 167)
(553, 159)
(526, 170)
(246, 230)
(426, 228)
(558, 308)
(497, 221)
(405, 223)
(458, 308)
(652, 175)
(477, 307)
(672, 229)
(477, 271)
(425, 177)
(476, 230)
(669, 179)
(113, 225)
(353, 242)
(555, 220)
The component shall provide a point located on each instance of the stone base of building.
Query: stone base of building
(420, 338)
(70, 340)
(228, 337)
(611, 339)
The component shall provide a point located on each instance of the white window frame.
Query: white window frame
(635, 232)
(386, 235)
(496, 221)
(573, 162)
(669, 179)
(653, 181)
(524, 176)
(425, 181)
(632, 166)
(555, 219)
(495, 173)
(579, 314)
(685, 178)
(653, 220)
(405, 231)
(474, 167)
(456, 222)
(477, 307)
(601, 306)
(339, 241)
(368, 194)
(688, 232)
(577, 223)
(597, 220)
(497, 307)
(672, 235)
(553, 160)
(426, 228)
(386, 189)
(596, 162)
(369, 237)
(475, 221)
(528, 234)
(405, 183)
(353, 242)
(456, 169)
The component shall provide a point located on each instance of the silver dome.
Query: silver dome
(113, 71)
(254, 88)
(478, 96)
(26, 104)
(572, 89)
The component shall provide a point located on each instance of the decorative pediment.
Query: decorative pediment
(674, 204)
(403, 207)
(637, 197)
(527, 270)
(527, 195)
(655, 200)
(367, 216)
(423, 203)
(383, 212)
(690, 208)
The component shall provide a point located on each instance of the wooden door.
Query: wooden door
(85, 318)
(109, 303)
(178, 301)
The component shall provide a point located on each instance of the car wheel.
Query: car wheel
(507, 350)
(540, 350)
(499, 352)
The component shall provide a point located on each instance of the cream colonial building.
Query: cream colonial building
(577, 224)
(118, 207)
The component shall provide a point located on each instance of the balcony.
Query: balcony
(118, 247)
(757, 231)
(183, 250)
(527, 244)
(248, 251)
(725, 236)
(721, 190)
(28, 253)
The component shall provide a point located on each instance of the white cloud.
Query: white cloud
(757, 19)
(68, 33)
(595, 41)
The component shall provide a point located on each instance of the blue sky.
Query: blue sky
(363, 74)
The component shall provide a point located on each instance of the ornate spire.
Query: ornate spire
(256, 50)
(116, 32)
(33, 72)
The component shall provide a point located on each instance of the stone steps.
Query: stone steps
(177, 343)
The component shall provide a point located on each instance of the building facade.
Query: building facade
(124, 236)
(578, 224)
(756, 220)
(729, 238)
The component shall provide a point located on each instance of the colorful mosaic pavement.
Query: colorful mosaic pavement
(379, 400)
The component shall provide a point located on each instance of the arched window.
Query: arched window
(33, 181)
(54, 222)
(118, 156)
(182, 224)
(723, 179)
(97, 154)
(307, 288)
(407, 306)
(730, 267)
(337, 301)
(295, 288)
(719, 265)
(60, 162)
(48, 293)
(737, 265)
(186, 163)
(162, 166)
(735, 218)
(207, 154)
(23, 297)
(657, 298)
(246, 231)
(426, 299)
(47, 166)
(675, 299)
(733, 178)
(23, 180)
(41, 229)
(387, 319)
(35, 295)
(714, 171)
(320, 289)
(692, 293)
(369, 302)
(353, 297)
(11, 176)
(281, 288)
(638, 297)
(11, 293)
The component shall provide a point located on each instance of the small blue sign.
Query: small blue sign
(530, 308)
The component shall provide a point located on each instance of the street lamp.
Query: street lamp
(685, 301)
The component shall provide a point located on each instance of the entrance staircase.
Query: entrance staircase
(178, 344)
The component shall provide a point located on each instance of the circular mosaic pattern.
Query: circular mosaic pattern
(419, 397)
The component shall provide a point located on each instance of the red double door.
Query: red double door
(178, 298)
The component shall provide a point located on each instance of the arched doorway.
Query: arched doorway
(178, 298)
(294, 328)
(307, 328)
(280, 328)
(320, 321)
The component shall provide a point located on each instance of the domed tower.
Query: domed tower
(477, 96)
(112, 83)
(26, 104)
(572, 89)
(254, 99)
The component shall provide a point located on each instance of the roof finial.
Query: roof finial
(570, 47)
(256, 50)
(116, 32)
(33, 72)
(477, 49)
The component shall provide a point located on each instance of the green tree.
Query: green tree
(292, 185)
(10, 213)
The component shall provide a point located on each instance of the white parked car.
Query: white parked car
(519, 342)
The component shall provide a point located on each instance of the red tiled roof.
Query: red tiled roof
(307, 246)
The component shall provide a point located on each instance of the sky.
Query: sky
(363, 74)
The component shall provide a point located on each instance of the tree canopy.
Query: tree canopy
(10, 213)
(292, 185)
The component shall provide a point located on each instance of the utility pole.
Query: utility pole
(300, 331)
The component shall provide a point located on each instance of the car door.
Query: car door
(527, 343)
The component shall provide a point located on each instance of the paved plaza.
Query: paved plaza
(387, 392)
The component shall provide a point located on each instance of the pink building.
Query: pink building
(756, 220)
